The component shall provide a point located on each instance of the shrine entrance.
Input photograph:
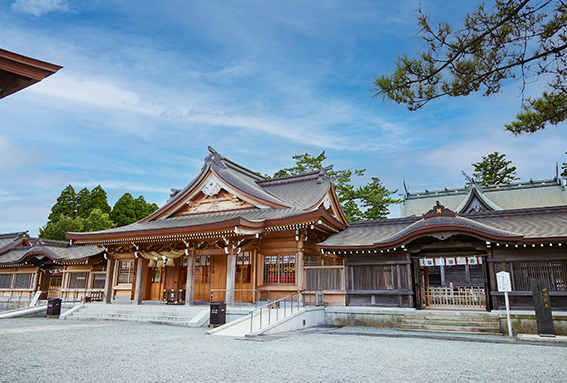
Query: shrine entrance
(157, 280)
(457, 282)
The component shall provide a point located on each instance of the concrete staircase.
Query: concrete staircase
(453, 322)
(150, 313)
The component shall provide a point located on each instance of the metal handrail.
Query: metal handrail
(256, 294)
(275, 304)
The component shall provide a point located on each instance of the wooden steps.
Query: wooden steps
(452, 322)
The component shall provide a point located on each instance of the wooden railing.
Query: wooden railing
(448, 296)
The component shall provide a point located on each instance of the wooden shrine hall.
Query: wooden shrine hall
(449, 259)
(229, 235)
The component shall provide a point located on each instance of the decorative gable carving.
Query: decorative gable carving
(439, 211)
(220, 200)
(211, 188)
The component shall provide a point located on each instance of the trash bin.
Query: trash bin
(218, 313)
(54, 307)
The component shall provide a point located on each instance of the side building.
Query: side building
(448, 258)
(55, 268)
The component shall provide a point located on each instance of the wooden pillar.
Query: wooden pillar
(299, 264)
(139, 281)
(230, 277)
(109, 280)
(190, 284)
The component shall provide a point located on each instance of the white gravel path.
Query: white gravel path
(50, 350)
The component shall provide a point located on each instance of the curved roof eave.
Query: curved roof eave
(216, 226)
(423, 227)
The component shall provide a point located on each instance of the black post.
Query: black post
(416, 271)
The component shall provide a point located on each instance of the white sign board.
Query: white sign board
(504, 283)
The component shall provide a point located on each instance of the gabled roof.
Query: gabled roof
(58, 251)
(235, 197)
(11, 240)
(506, 226)
(18, 72)
(473, 197)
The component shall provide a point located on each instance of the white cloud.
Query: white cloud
(40, 7)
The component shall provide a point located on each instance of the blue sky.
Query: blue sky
(147, 86)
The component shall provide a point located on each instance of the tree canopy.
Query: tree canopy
(128, 210)
(494, 170)
(97, 220)
(366, 202)
(523, 40)
(89, 211)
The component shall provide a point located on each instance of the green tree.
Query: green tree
(142, 209)
(97, 220)
(363, 203)
(564, 168)
(494, 170)
(95, 199)
(83, 203)
(518, 39)
(57, 229)
(123, 213)
(66, 205)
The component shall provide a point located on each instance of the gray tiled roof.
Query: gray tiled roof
(518, 195)
(301, 195)
(298, 195)
(57, 253)
(532, 224)
(244, 181)
(9, 240)
(252, 215)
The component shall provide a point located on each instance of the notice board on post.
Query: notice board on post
(544, 317)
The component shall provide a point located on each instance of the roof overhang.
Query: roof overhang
(321, 219)
(18, 72)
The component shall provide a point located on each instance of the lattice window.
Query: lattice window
(78, 281)
(126, 272)
(323, 279)
(55, 281)
(23, 281)
(5, 281)
(555, 272)
(99, 281)
(386, 277)
(279, 269)
(319, 260)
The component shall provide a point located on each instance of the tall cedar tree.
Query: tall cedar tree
(95, 199)
(89, 211)
(494, 170)
(128, 210)
(524, 40)
(66, 205)
(363, 203)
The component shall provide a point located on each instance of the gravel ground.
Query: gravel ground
(51, 350)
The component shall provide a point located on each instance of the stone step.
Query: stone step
(457, 317)
(175, 318)
(447, 322)
(186, 323)
(451, 329)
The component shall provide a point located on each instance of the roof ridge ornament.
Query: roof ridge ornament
(439, 211)
(323, 173)
(471, 183)
(215, 157)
